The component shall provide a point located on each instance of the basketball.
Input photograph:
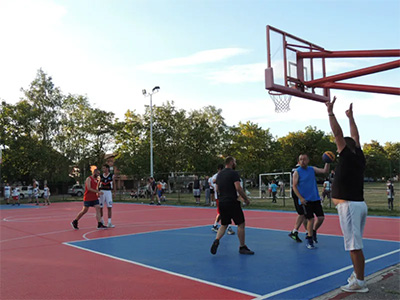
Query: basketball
(328, 157)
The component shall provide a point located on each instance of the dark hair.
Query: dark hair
(107, 166)
(220, 167)
(229, 159)
(351, 143)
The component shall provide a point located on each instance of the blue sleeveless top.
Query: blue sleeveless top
(307, 185)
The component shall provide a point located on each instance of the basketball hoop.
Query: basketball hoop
(281, 101)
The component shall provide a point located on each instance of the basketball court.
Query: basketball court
(163, 252)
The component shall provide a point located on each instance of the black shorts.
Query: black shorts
(90, 203)
(313, 207)
(299, 207)
(231, 210)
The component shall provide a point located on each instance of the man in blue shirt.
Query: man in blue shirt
(305, 187)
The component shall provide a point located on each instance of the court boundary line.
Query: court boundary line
(327, 234)
(292, 287)
(167, 272)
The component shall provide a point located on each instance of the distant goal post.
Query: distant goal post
(283, 181)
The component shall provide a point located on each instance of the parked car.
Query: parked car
(76, 190)
(26, 191)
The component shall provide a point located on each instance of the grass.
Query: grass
(374, 194)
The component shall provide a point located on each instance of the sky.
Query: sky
(200, 53)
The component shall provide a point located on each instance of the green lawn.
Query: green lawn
(374, 193)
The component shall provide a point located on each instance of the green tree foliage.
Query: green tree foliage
(253, 147)
(376, 160)
(311, 141)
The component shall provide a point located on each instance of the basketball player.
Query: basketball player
(7, 193)
(228, 187)
(90, 199)
(218, 216)
(348, 195)
(305, 187)
(15, 195)
(46, 195)
(294, 234)
(107, 186)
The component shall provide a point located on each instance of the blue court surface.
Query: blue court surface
(280, 268)
(10, 206)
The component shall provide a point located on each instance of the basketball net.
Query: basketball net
(281, 101)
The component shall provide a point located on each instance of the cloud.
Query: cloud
(186, 64)
(238, 74)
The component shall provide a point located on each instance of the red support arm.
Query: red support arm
(353, 74)
(363, 88)
(356, 53)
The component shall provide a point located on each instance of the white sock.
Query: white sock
(215, 223)
(361, 282)
(294, 230)
(102, 220)
(109, 220)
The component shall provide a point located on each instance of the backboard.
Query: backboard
(286, 73)
(297, 68)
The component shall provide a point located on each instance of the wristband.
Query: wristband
(331, 115)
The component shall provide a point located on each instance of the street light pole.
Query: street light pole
(154, 90)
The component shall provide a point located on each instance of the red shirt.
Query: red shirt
(91, 196)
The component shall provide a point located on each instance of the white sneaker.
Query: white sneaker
(352, 277)
(214, 228)
(354, 287)
(230, 231)
(109, 225)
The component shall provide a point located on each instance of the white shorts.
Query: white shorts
(106, 198)
(352, 217)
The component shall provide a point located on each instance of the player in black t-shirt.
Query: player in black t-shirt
(348, 196)
(228, 187)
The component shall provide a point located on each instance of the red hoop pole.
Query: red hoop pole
(363, 88)
(355, 53)
(353, 74)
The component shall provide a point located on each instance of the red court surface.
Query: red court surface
(35, 264)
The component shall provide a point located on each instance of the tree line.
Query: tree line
(53, 136)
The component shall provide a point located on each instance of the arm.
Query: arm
(295, 189)
(241, 192)
(114, 187)
(353, 127)
(88, 188)
(325, 170)
(336, 129)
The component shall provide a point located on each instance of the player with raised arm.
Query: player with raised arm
(305, 187)
(348, 195)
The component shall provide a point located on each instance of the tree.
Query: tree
(393, 155)
(253, 148)
(376, 160)
(311, 141)
(45, 100)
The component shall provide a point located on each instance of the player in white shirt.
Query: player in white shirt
(35, 193)
(15, 195)
(7, 193)
(218, 217)
(46, 195)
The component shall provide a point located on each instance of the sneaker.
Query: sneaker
(314, 236)
(151, 203)
(354, 287)
(230, 231)
(352, 277)
(295, 236)
(101, 226)
(245, 250)
(110, 225)
(214, 228)
(214, 247)
(310, 243)
(74, 224)
(159, 203)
